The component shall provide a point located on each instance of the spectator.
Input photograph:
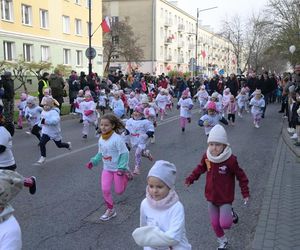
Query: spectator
(56, 83)
(8, 97)
(42, 85)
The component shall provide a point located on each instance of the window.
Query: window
(66, 24)
(44, 19)
(114, 19)
(79, 57)
(26, 15)
(161, 12)
(67, 56)
(78, 2)
(161, 33)
(161, 52)
(9, 50)
(115, 40)
(78, 29)
(45, 53)
(27, 52)
(7, 10)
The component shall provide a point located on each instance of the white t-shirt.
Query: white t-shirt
(170, 220)
(111, 149)
(6, 158)
(10, 234)
(184, 107)
(138, 130)
(52, 124)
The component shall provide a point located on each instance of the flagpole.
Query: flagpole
(90, 40)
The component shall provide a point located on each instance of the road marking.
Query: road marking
(168, 120)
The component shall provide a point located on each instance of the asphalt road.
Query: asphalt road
(65, 210)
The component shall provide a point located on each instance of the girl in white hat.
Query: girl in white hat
(258, 104)
(89, 117)
(162, 218)
(202, 97)
(50, 123)
(221, 168)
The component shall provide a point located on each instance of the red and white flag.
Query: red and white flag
(105, 25)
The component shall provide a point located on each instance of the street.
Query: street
(64, 212)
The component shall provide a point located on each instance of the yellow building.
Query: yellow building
(55, 31)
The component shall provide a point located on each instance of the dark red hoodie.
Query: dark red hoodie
(220, 179)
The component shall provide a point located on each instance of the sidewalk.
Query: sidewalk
(279, 220)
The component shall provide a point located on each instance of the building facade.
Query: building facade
(168, 37)
(53, 31)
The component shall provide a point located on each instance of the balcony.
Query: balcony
(168, 22)
(168, 58)
(180, 59)
(180, 27)
(180, 44)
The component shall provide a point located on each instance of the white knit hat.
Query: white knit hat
(11, 184)
(218, 134)
(164, 171)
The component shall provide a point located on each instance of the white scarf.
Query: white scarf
(165, 203)
(221, 157)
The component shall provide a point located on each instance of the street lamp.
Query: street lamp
(196, 48)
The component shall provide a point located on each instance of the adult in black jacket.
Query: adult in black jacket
(233, 84)
(252, 82)
(8, 97)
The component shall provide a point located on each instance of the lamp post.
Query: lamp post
(90, 37)
(196, 48)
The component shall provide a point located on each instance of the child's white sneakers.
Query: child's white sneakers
(223, 243)
(109, 214)
(41, 160)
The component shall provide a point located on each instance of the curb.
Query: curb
(290, 143)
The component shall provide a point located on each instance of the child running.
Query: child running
(212, 118)
(258, 104)
(50, 123)
(202, 96)
(231, 110)
(115, 157)
(139, 131)
(162, 218)
(185, 104)
(221, 169)
(88, 108)
(242, 100)
(33, 116)
(21, 107)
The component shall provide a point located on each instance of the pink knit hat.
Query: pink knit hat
(212, 106)
(185, 93)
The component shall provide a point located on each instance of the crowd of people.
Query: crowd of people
(124, 111)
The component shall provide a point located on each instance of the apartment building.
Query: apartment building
(54, 31)
(168, 37)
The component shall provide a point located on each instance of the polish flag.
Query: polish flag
(203, 53)
(105, 25)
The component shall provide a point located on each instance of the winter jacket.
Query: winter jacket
(220, 179)
(8, 86)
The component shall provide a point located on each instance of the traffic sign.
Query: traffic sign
(90, 53)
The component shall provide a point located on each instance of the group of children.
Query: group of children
(216, 108)
(162, 218)
(117, 137)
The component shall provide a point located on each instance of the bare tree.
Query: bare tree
(121, 43)
(285, 18)
(233, 31)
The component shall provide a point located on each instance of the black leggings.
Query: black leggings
(45, 139)
(36, 131)
(231, 117)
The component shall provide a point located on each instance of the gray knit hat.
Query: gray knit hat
(164, 171)
(11, 184)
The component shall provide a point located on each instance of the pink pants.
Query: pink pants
(220, 217)
(108, 178)
(182, 121)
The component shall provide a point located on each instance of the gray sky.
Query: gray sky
(214, 17)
